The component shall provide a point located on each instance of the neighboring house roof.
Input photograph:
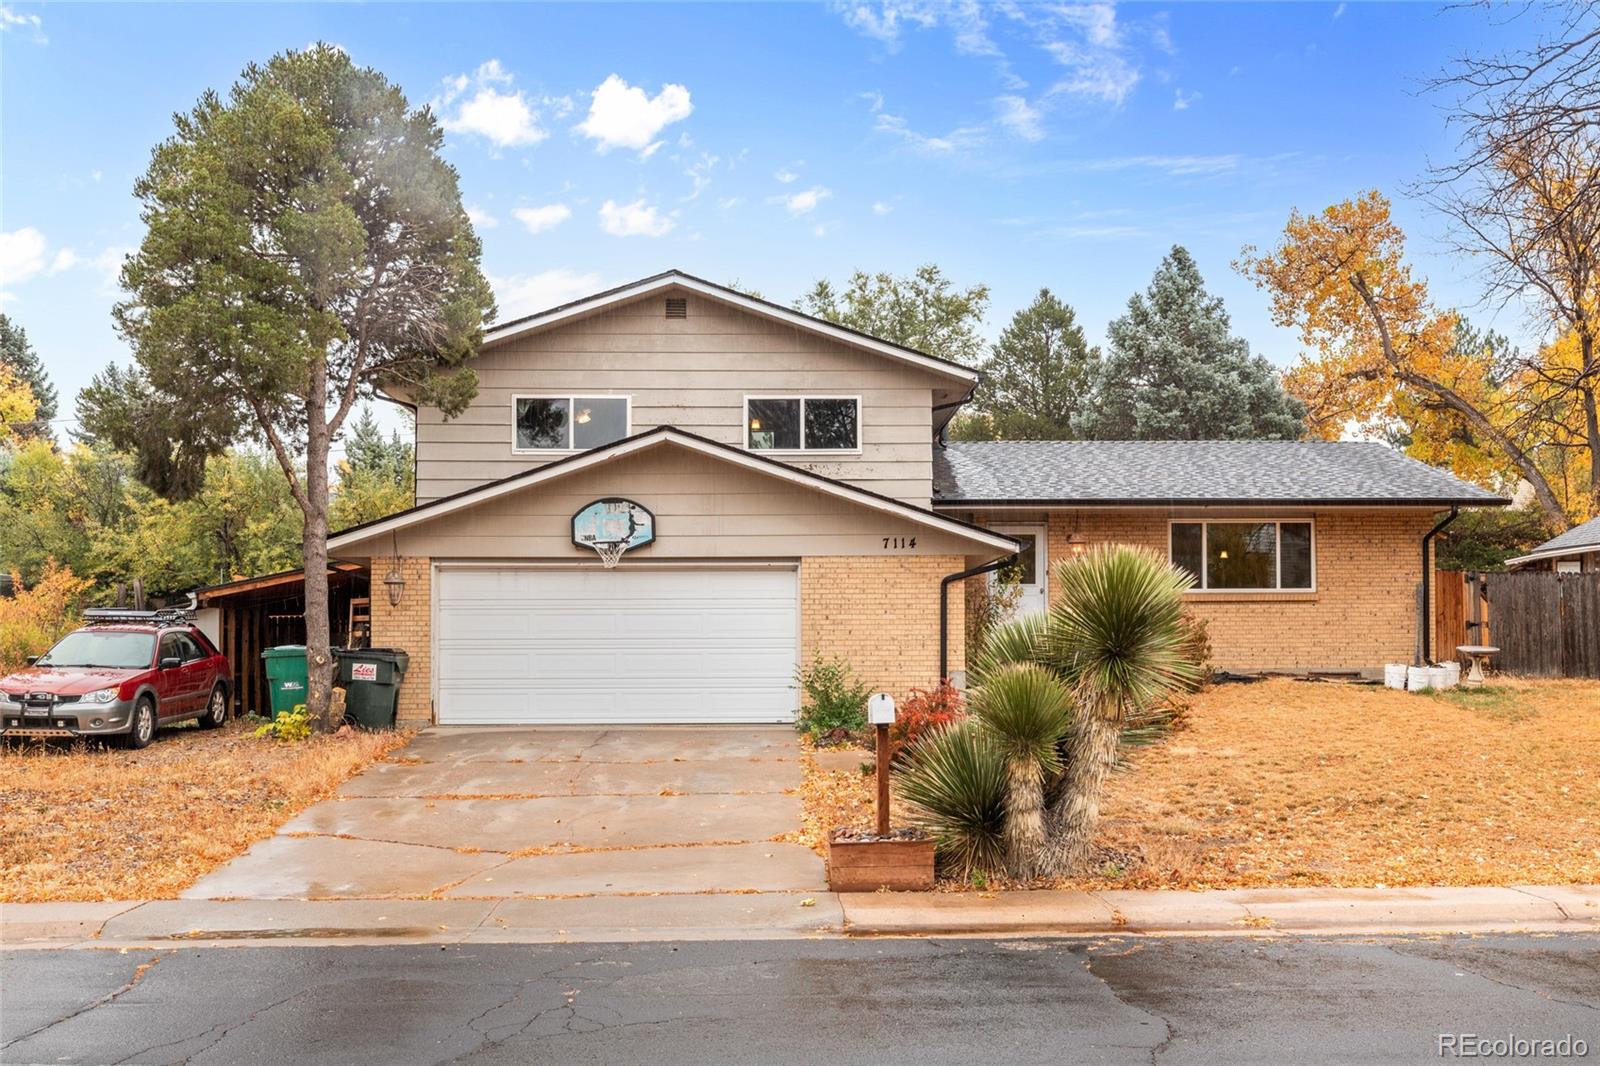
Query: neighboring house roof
(755, 305)
(652, 438)
(1578, 540)
(1154, 473)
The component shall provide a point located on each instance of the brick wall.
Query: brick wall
(880, 614)
(408, 627)
(1362, 615)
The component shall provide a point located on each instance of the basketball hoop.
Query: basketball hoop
(610, 551)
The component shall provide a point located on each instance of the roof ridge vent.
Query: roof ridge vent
(677, 307)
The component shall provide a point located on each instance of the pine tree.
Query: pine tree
(1174, 372)
(1038, 379)
(18, 356)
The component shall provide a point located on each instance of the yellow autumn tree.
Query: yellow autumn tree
(17, 404)
(1382, 353)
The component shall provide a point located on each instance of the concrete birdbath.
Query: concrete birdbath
(1479, 654)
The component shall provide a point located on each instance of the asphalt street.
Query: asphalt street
(1108, 1000)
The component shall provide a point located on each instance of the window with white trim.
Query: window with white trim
(803, 423)
(567, 423)
(1246, 556)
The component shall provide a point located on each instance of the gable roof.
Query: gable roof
(650, 439)
(670, 279)
(1157, 473)
(1575, 541)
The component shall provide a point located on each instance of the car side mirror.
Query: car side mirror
(171, 664)
(30, 660)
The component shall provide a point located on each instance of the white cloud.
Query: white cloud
(481, 218)
(21, 255)
(786, 176)
(1020, 117)
(806, 200)
(699, 172)
(65, 259)
(1183, 100)
(1095, 73)
(1176, 165)
(879, 207)
(884, 21)
(956, 139)
(728, 203)
(12, 19)
(539, 219)
(624, 116)
(484, 105)
(637, 219)
(108, 263)
(523, 294)
(1338, 11)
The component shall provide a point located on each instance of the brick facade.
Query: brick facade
(408, 627)
(880, 614)
(1362, 614)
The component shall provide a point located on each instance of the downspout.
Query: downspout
(1426, 643)
(944, 606)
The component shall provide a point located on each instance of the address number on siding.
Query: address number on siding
(899, 542)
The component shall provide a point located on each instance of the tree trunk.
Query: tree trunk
(1024, 832)
(1071, 820)
(1591, 416)
(319, 653)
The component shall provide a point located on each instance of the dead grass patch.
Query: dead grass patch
(1286, 782)
(85, 822)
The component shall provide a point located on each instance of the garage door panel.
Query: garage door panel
(628, 645)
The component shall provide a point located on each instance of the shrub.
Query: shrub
(1196, 636)
(954, 782)
(35, 618)
(991, 602)
(290, 726)
(833, 698)
(925, 710)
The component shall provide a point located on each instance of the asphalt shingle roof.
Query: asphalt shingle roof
(1575, 539)
(1179, 472)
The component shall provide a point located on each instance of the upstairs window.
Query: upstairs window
(568, 423)
(803, 423)
(1245, 556)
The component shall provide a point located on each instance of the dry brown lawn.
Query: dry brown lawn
(85, 822)
(1288, 782)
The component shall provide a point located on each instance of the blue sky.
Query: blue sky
(1030, 145)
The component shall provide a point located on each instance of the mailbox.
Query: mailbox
(880, 709)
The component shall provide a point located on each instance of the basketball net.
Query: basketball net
(610, 551)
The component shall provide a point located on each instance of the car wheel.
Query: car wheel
(143, 728)
(216, 712)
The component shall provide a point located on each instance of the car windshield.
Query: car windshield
(124, 651)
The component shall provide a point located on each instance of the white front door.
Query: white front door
(636, 645)
(1034, 570)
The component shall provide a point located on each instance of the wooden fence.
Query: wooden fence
(1545, 624)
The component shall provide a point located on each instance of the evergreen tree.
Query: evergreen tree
(1174, 372)
(923, 310)
(1038, 380)
(18, 356)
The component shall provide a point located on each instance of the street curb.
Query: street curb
(793, 915)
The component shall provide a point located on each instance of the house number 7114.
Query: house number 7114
(899, 542)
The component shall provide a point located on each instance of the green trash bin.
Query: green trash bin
(286, 677)
(371, 678)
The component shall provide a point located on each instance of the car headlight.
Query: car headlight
(104, 695)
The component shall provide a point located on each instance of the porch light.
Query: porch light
(1077, 544)
(395, 582)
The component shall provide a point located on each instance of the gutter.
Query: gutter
(1425, 645)
(944, 606)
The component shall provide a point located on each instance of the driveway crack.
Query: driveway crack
(128, 986)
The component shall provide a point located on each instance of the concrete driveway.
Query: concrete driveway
(481, 812)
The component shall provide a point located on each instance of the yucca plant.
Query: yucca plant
(1026, 710)
(954, 782)
(1115, 634)
(1018, 640)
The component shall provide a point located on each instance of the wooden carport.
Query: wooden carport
(246, 616)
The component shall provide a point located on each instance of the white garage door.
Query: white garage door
(615, 646)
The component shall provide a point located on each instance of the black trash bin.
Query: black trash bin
(371, 678)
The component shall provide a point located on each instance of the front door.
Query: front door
(1033, 569)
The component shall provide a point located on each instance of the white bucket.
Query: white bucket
(1438, 677)
(1394, 675)
(1416, 678)
(1452, 673)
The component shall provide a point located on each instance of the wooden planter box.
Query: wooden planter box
(868, 865)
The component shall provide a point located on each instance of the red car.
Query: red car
(123, 675)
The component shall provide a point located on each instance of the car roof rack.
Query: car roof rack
(162, 616)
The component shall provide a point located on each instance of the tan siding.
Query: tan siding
(704, 507)
(691, 373)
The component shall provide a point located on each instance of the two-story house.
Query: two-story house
(792, 498)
